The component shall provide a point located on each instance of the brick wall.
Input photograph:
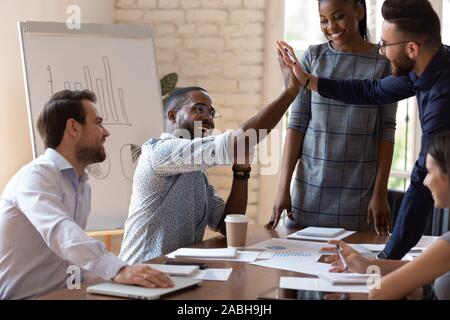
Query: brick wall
(216, 44)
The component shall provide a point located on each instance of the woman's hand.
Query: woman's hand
(379, 213)
(291, 83)
(355, 262)
(287, 54)
(282, 202)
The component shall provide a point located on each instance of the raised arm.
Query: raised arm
(270, 115)
(366, 92)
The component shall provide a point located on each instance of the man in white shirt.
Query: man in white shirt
(45, 207)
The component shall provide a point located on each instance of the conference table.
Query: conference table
(246, 281)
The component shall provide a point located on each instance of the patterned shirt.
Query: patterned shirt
(337, 168)
(172, 200)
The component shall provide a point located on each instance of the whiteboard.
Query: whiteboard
(117, 62)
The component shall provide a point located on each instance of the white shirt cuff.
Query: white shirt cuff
(108, 266)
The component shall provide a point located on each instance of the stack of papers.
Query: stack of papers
(321, 235)
(214, 274)
(345, 278)
(205, 253)
(321, 232)
(175, 270)
(241, 256)
(312, 284)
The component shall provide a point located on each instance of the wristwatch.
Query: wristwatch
(241, 175)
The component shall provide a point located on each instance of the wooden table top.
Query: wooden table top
(245, 283)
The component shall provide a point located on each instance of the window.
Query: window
(446, 22)
(302, 28)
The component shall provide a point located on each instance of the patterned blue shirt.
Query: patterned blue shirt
(172, 200)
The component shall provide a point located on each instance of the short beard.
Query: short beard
(404, 67)
(89, 155)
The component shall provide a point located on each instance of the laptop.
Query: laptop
(136, 292)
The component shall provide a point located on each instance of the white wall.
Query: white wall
(14, 134)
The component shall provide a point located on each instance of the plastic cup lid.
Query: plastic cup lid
(236, 218)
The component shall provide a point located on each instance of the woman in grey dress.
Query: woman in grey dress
(403, 278)
(344, 152)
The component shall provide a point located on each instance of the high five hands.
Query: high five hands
(289, 59)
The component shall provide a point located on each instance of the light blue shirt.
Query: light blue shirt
(43, 211)
(172, 200)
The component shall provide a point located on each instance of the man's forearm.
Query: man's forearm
(268, 117)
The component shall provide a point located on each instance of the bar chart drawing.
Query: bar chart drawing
(110, 101)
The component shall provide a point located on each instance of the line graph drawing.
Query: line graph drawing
(111, 102)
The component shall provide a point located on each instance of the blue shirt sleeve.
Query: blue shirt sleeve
(367, 92)
(388, 115)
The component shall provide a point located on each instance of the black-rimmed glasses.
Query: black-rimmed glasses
(382, 45)
(203, 110)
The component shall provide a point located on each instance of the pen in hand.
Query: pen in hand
(341, 257)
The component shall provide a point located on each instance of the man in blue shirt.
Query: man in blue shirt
(411, 40)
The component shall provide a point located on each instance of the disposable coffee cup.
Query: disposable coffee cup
(236, 225)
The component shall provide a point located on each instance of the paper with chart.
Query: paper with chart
(314, 284)
(276, 248)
